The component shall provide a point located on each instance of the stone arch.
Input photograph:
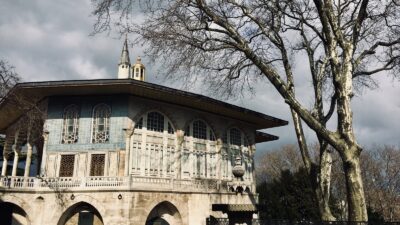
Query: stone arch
(160, 110)
(11, 212)
(80, 211)
(80, 198)
(165, 213)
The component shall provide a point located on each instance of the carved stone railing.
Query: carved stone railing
(128, 183)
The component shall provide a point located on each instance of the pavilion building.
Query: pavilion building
(124, 151)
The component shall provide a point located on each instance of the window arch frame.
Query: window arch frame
(70, 131)
(143, 123)
(150, 147)
(105, 132)
(210, 133)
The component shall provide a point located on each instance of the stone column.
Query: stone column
(128, 135)
(28, 154)
(178, 153)
(218, 159)
(44, 153)
(28, 159)
(5, 158)
(16, 155)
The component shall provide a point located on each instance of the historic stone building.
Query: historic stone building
(125, 152)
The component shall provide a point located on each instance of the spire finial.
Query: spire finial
(124, 66)
(125, 52)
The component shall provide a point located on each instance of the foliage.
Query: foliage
(288, 197)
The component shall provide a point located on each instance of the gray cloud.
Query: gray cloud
(49, 40)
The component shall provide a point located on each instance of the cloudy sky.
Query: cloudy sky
(49, 40)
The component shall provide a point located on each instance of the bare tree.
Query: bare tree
(381, 170)
(8, 78)
(271, 164)
(234, 43)
(30, 124)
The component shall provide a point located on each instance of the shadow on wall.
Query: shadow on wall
(11, 214)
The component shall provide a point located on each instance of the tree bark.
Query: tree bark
(324, 183)
(354, 187)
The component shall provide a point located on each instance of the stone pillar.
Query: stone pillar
(28, 154)
(28, 159)
(128, 135)
(178, 154)
(5, 158)
(219, 159)
(44, 153)
(16, 155)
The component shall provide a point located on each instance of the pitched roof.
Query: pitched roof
(40, 90)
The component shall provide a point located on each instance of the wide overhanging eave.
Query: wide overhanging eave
(40, 90)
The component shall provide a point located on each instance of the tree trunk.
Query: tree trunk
(320, 182)
(354, 186)
(324, 184)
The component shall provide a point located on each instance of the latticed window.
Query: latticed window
(97, 165)
(199, 129)
(155, 122)
(101, 124)
(235, 136)
(70, 124)
(67, 165)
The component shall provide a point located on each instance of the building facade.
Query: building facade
(124, 151)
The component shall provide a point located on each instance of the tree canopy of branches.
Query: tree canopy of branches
(235, 42)
(8, 78)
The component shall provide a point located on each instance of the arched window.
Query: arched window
(157, 157)
(155, 122)
(235, 137)
(235, 144)
(70, 124)
(201, 155)
(101, 124)
(200, 130)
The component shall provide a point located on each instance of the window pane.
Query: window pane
(155, 122)
(235, 137)
(199, 130)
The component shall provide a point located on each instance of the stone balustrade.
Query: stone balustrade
(111, 183)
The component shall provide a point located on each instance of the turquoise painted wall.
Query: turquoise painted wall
(118, 121)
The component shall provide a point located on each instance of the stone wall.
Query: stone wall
(134, 208)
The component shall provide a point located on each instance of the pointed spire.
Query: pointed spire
(125, 53)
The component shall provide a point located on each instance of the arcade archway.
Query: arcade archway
(165, 213)
(81, 213)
